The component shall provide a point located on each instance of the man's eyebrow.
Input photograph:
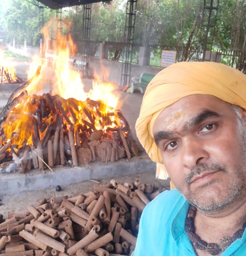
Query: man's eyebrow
(203, 115)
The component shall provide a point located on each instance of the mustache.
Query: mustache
(201, 168)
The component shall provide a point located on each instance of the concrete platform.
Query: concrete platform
(11, 183)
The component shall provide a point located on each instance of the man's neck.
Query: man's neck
(211, 227)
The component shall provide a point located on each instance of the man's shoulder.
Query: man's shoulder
(168, 202)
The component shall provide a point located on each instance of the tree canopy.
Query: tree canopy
(159, 22)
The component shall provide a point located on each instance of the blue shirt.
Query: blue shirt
(161, 230)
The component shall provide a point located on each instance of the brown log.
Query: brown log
(114, 218)
(117, 229)
(53, 222)
(40, 154)
(118, 248)
(137, 182)
(96, 135)
(24, 253)
(133, 218)
(123, 189)
(80, 200)
(139, 203)
(154, 194)
(82, 214)
(101, 252)
(16, 229)
(77, 138)
(125, 144)
(25, 160)
(54, 252)
(3, 241)
(64, 236)
(142, 196)
(51, 242)
(55, 145)
(100, 242)
(126, 198)
(84, 155)
(69, 230)
(81, 252)
(62, 148)
(30, 238)
(16, 248)
(50, 153)
(91, 206)
(82, 243)
(27, 219)
(33, 211)
(128, 237)
(109, 247)
(73, 150)
(75, 218)
(90, 198)
(47, 230)
(121, 202)
(38, 252)
(5, 147)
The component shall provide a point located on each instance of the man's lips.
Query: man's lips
(203, 178)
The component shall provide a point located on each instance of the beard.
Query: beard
(208, 198)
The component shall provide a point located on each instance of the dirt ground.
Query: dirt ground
(19, 202)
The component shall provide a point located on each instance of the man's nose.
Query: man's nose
(193, 152)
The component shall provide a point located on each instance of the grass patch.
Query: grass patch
(10, 55)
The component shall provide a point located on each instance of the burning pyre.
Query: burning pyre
(7, 72)
(64, 125)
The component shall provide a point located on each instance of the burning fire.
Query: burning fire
(7, 72)
(65, 118)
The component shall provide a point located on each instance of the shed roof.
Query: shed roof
(57, 4)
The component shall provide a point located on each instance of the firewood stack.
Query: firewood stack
(7, 75)
(44, 131)
(102, 222)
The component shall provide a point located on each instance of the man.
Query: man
(193, 124)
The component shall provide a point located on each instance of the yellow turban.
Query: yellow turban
(181, 80)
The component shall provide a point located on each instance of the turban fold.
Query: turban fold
(180, 80)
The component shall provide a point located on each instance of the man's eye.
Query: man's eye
(208, 127)
(172, 145)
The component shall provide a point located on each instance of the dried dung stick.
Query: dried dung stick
(8, 221)
(50, 153)
(121, 202)
(73, 150)
(64, 236)
(114, 218)
(81, 252)
(16, 248)
(24, 253)
(118, 248)
(99, 242)
(133, 218)
(139, 203)
(55, 146)
(107, 203)
(31, 239)
(3, 241)
(101, 252)
(75, 218)
(34, 158)
(142, 196)
(51, 242)
(117, 230)
(82, 243)
(29, 227)
(5, 147)
(33, 211)
(128, 237)
(62, 155)
(40, 155)
(125, 144)
(80, 213)
(47, 230)
(123, 189)
(80, 200)
(126, 198)
(91, 206)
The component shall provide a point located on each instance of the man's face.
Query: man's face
(203, 147)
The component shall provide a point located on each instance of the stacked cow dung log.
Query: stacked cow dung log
(101, 222)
